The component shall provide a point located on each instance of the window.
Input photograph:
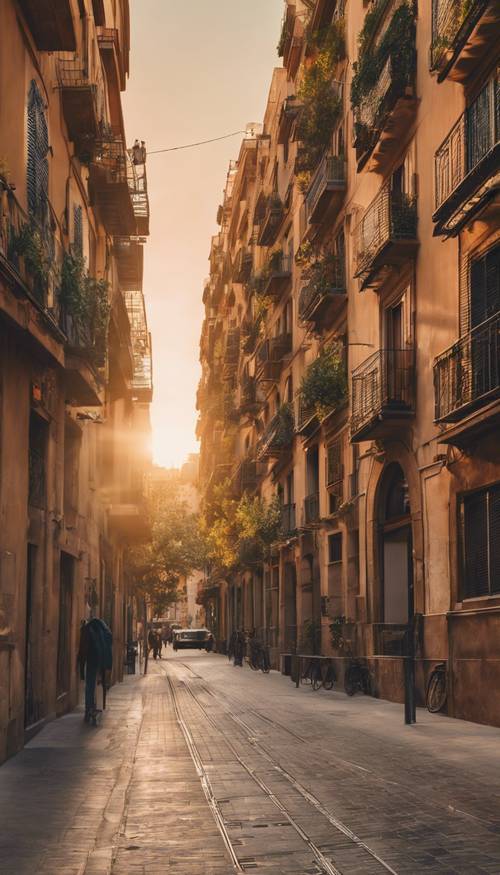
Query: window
(335, 547)
(335, 473)
(38, 147)
(479, 517)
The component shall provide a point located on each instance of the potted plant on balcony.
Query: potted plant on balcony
(85, 307)
(324, 385)
(28, 249)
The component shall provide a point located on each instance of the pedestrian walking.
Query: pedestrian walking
(239, 648)
(153, 643)
(95, 658)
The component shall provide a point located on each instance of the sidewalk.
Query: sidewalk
(125, 797)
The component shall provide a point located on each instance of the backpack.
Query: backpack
(100, 643)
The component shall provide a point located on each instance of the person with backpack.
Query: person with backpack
(95, 657)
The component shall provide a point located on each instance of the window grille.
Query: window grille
(78, 230)
(38, 147)
(479, 515)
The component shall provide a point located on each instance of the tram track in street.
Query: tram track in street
(325, 862)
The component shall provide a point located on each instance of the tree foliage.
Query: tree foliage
(176, 547)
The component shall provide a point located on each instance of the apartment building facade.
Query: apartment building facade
(350, 347)
(75, 360)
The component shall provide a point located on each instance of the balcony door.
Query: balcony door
(483, 370)
(396, 364)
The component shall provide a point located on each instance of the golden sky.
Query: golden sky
(199, 69)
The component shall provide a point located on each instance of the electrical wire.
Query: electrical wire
(192, 145)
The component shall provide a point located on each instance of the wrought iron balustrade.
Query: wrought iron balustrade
(451, 20)
(278, 434)
(468, 373)
(468, 157)
(328, 282)
(330, 175)
(382, 385)
(31, 248)
(391, 217)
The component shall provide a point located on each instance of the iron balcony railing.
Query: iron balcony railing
(469, 152)
(326, 283)
(384, 383)
(311, 508)
(275, 349)
(73, 75)
(451, 19)
(232, 349)
(468, 373)
(288, 521)
(30, 248)
(243, 265)
(391, 216)
(306, 415)
(331, 173)
(278, 434)
(370, 106)
(272, 219)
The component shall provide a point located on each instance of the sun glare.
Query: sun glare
(172, 445)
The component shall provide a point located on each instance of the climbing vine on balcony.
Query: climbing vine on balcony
(28, 243)
(321, 102)
(397, 43)
(324, 385)
(85, 306)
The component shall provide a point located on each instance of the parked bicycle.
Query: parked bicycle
(258, 658)
(436, 691)
(318, 673)
(357, 678)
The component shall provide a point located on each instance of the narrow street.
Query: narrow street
(205, 769)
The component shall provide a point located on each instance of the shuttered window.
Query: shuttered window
(38, 147)
(78, 230)
(480, 542)
(485, 286)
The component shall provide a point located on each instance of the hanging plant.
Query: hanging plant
(324, 385)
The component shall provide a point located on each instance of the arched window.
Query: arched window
(38, 147)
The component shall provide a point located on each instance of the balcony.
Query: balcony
(270, 356)
(290, 111)
(383, 394)
(243, 266)
(386, 237)
(109, 45)
(462, 35)
(250, 401)
(231, 353)
(247, 476)
(277, 438)
(326, 191)
(288, 520)
(51, 24)
(467, 379)
(324, 293)
(466, 165)
(30, 253)
(274, 213)
(109, 187)
(138, 186)
(306, 422)
(83, 104)
(277, 275)
(383, 86)
(142, 380)
(385, 115)
(129, 255)
(311, 509)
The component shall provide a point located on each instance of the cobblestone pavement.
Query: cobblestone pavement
(205, 769)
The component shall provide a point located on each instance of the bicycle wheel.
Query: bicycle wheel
(306, 673)
(329, 679)
(316, 677)
(351, 681)
(436, 693)
(265, 664)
